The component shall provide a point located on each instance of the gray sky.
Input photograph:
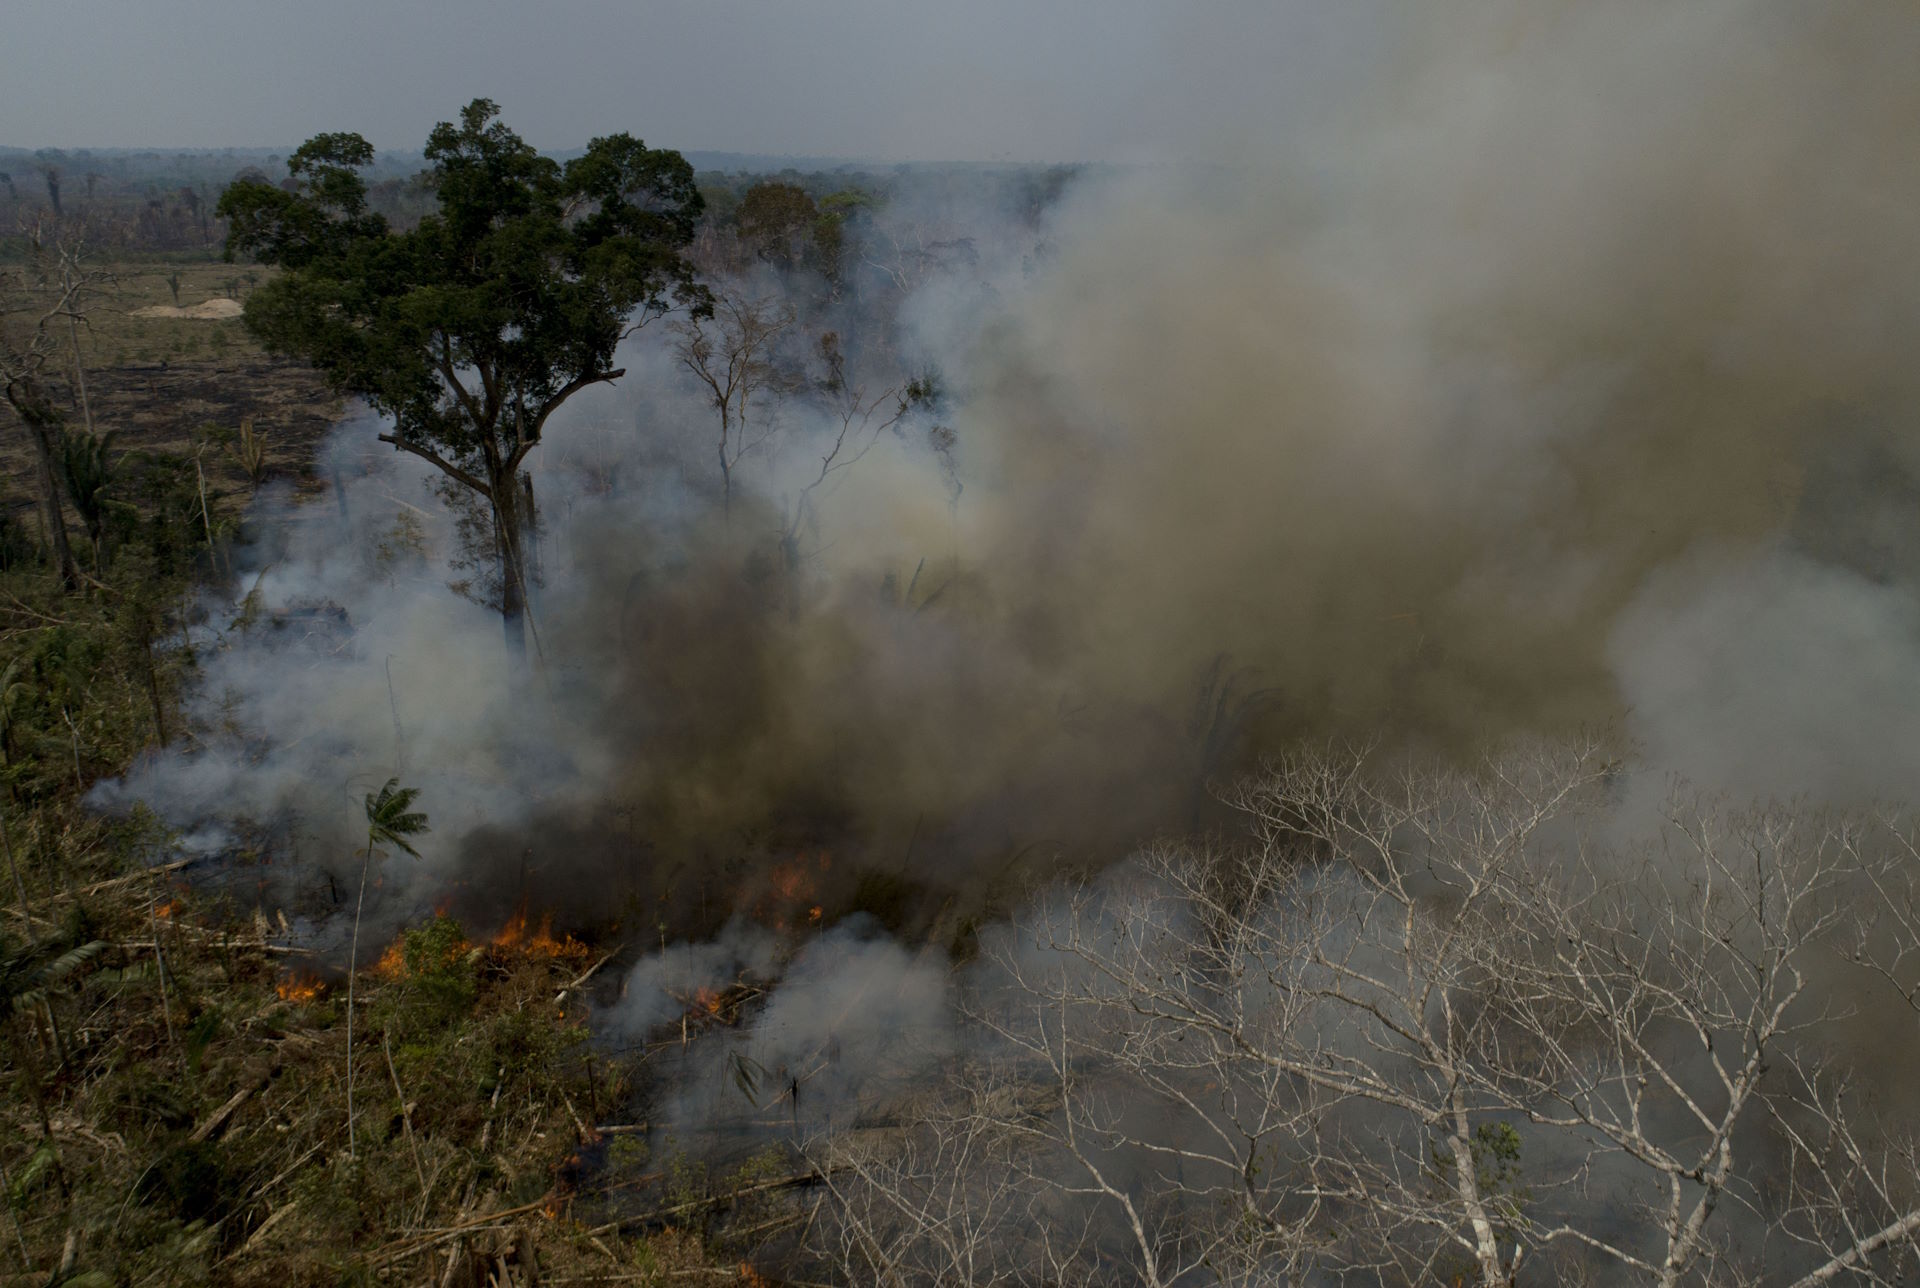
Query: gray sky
(879, 79)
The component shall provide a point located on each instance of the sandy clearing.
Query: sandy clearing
(210, 309)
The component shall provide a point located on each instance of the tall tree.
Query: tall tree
(474, 326)
(43, 303)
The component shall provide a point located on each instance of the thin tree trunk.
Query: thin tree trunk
(160, 964)
(152, 674)
(19, 885)
(530, 547)
(206, 516)
(30, 1071)
(353, 970)
(52, 513)
(80, 373)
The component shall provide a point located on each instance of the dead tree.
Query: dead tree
(1425, 1028)
(43, 305)
(946, 1200)
(732, 355)
(855, 424)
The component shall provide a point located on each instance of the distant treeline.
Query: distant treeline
(163, 203)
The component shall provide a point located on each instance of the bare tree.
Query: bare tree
(856, 422)
(945, 1200)
(43, 305)
(732, 354)
(1426, 1028)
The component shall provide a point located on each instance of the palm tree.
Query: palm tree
(388, 823)
(88, 472)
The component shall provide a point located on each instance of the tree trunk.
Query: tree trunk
(508, 544)
(143, 622)
(529, 545)
(353, 970)
(41, 426)
(80, 372)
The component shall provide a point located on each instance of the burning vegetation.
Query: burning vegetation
(515, 940)
(299, 987)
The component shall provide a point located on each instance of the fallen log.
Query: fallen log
(218, 1119)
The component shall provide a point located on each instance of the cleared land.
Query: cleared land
(155, 381)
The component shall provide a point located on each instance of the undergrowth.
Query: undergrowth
(173, 1086)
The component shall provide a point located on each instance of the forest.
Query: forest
(625, 715)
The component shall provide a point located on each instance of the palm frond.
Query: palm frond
(71, 960)
(389, 821)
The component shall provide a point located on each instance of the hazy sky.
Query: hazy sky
(880, 79)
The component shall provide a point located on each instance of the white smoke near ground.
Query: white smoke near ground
(663, 986)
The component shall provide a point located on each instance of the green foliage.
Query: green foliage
(197, 1037)
(88, 471)
(389, 820)
(53, 684)
(626, 1154)
(163, 511)
(1495, 1149)
(38, 1170)
(438, 985)
(526, 273)
(248, 447)
(926, 391)
(29, 973)
(779, 221)
(685, 1177)
(139, 1098)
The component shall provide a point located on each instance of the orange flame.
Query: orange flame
(790, 881)
(788, 897)
(515, 938)
(296, 987)
(393, 962)
(166, 910)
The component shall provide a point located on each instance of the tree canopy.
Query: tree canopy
(472, 327)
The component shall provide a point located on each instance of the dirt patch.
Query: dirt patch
(210, 310)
